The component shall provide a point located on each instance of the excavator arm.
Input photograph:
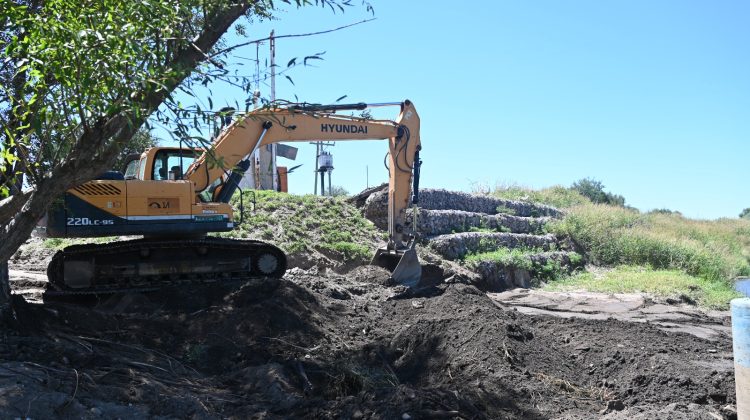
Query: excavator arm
(300, 123)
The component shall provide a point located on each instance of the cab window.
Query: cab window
(133, 169)
(171, 164)
(142, 169)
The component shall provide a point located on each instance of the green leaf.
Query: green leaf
(311, 57)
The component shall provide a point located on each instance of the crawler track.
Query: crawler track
(149, 264)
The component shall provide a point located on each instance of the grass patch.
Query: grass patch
(304, 223)
(60, 243)
(512, 257)
(57, 243)
(713, 250)
(350, 250)
(505, 210)
(556, 196)
(520, 258)
(685, 254)
(662, 283)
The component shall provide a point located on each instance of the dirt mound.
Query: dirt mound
(325, 345)
(32, 256)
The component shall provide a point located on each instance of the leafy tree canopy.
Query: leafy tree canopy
(78, 79)
(594, 191)
(140, 141)
(338, 190)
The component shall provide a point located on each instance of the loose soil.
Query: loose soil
(667, 314)
(319, 344)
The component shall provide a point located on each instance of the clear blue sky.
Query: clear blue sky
(651, 98)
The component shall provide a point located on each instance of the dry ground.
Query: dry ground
(318, 344)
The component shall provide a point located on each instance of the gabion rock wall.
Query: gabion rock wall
(438, 199)
(456, 246)
(497, 277)
(456, 224)
(444, 211)
(439, 222)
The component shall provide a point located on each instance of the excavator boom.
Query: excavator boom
(305, 123)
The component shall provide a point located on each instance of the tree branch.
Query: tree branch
(226, 50)
(11, 205)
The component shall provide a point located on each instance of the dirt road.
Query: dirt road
(672, 316)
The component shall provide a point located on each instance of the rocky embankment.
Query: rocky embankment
(506, 239)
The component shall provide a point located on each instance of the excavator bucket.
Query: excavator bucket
(404, 265)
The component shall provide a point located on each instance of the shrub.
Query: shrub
(714, 250)
(556, 196)
(594, 191)
(666, 211)
(512, 257)
(522, 258)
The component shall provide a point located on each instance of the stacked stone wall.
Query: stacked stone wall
(497, 277)
(457, 246)
(445, 211)
(456, 224)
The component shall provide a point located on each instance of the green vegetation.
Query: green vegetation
(512, 257)
(338, 190)
(713, 250)
(505, 210)
(556, 196)
(141, 140)
(60, 243)
(685, 254)
(583, 191)
(666, 211)
(57, 243)
(594, 191)
(307, 223)
(520, 258)
(663, 283)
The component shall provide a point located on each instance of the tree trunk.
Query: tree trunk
(5, 308)
(11, 205)
(96, 149)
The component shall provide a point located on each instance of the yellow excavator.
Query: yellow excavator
(175, 196)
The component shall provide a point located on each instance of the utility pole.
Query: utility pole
(315, 177)
(267, 154)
